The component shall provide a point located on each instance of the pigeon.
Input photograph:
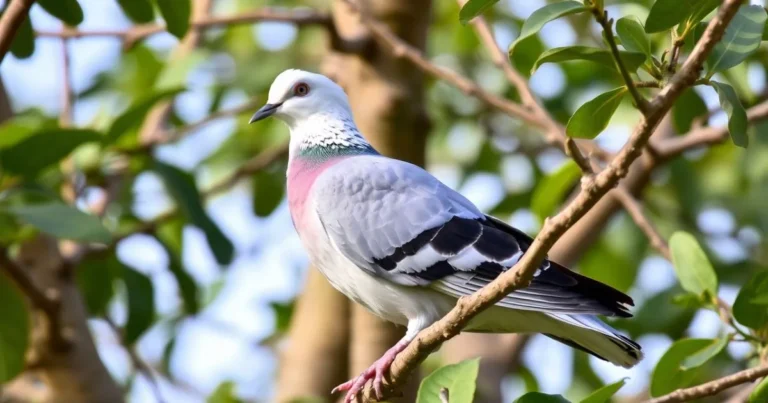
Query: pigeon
(393, 238)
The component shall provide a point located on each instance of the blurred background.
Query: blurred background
(226, 306)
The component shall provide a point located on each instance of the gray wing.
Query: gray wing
(396, 221)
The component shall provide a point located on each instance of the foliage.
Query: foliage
(51, 169)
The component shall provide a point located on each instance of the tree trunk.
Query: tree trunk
(387, 98)
(315, 359)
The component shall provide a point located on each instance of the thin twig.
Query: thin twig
(520, 275)
(635, 211)
(602, 18)
(13, 16)
(179, 133)
(714, 387)
(255, 164)
(298, 17)
(67, 96)
(137, 362)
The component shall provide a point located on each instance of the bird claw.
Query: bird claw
(374, 373)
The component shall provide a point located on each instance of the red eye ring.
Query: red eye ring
(301, 89)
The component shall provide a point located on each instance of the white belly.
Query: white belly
(390, 301)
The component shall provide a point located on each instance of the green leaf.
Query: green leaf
(14, 330)
(23, 44)
(458, 378)
(473, 8)
(538, 397)
(540, 17)
(691, 265)
(553, 189)
(224, 393)
(268, 189)
(632, 60)
(283, 314)
(182, 187)
(665, 14)
(44, 148)
(742, 38)
(687, 108)
(669, 374)
(760, 393)
(95, 278)
(737, 116)
(760, 300)
(702, 356)
(141, 304)
(62, 221)
(138, 11)
(176, 14)
(593, 117)
(605, 393)
(134, 115)
(68, 11)
(632, 35)
(748, 313)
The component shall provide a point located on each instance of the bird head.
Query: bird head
(298, 94)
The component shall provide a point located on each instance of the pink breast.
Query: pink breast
(301, 176)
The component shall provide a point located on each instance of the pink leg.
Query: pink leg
(375, 371)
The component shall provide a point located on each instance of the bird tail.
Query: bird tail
(590, 334)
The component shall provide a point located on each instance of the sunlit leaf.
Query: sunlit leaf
(687, 108)
(737, 115)
(604, 394)
(669, 374)
(40, 150)
(760, 393)
(691, 264)
(177, 15)
(134, 115)
(745, 310)
(224, 393)
(540, 17)
(181, 186)
(141, 304)
(538, 397)
(62, 221)
(632, 60)
(68, 11)
(593, 117)
(742, 38)
(473, 8)
(139, 11)
(630, 31)
(551, 191)
(702, 356)
(665, 14)
(458, 378)
(14, 329)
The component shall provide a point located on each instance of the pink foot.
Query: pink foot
(375, 372)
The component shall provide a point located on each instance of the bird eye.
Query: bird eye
(301, 89)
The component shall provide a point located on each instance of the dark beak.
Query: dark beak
(265, 112)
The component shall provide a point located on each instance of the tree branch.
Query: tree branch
(602, 18)
(635, 211)
(12, 18)
(137, 362)
(675, 146)
(520, 275)
(713, 387)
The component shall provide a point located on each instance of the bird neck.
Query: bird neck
(322, 136)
